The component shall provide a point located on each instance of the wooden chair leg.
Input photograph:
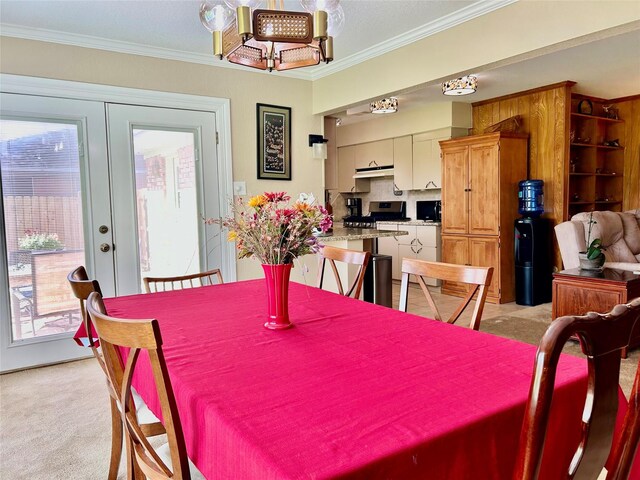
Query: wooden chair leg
(116, 440)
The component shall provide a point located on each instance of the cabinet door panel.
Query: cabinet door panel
(484, 252)
(436, 163)
(455, 250)
(374, 154)
(403, 163)
(484, 197)
(421, 164)
(428, 236)
(454, 182)
(346, 169)
(407, 239)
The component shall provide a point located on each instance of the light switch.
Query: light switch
(239, 188)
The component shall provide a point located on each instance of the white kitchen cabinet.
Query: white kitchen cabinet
(427, 164)
(403, 163)
(346, 170)
(374, 154)
(423, 243)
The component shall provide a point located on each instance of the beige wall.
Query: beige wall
(244, 88)
(525, 28)
(406, 122)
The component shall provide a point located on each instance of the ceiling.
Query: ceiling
(175, 24)
(607, 68)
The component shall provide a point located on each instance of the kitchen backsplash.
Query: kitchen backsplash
(381, 190)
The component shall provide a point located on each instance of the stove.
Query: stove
(378, 211)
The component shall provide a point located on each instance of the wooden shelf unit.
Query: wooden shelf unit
(595, 174)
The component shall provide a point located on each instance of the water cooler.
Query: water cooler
(533, 254)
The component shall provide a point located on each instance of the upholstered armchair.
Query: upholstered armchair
(619, 232)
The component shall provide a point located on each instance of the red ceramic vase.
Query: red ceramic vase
(277, 280)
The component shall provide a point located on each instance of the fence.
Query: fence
(60, 215)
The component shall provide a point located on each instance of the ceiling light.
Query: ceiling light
(460, 86)
(272, 38)
(385, 105)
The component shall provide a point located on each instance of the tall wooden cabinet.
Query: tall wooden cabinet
(480, 176)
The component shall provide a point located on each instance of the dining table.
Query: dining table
(353, 390)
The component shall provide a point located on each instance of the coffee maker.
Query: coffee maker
(354, 207)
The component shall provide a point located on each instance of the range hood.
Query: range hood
(373, 172)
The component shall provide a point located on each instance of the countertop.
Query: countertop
(420, 223)
(342, 234)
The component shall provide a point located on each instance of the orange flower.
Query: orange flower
(257, 201)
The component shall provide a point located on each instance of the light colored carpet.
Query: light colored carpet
(55, 421)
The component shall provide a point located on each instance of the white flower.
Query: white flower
(307, 198)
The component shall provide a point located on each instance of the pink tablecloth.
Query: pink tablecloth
(354, 390)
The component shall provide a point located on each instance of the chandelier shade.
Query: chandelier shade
(461, 86)
(385, 105)
(271, 39)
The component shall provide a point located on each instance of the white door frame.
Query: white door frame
(133, 96)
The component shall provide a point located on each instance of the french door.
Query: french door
(133, 212)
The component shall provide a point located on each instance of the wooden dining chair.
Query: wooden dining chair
(82, 287)
(136, 336)
(350, 257)
(602, 339)
(479, 279)
(625, 445)
(163, 284)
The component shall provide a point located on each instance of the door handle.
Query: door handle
(105, 247)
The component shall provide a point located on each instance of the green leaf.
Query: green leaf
(596, 243)
(593, 253)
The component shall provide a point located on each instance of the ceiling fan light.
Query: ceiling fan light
(461, 86)
(384, 105)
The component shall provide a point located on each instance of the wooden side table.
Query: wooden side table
(576, 292)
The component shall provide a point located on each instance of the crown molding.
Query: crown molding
(99, 43)
(470, 12)
(448, 21)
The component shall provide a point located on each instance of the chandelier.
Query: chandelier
(273, 38)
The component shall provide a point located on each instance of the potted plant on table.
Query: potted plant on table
(592, 258)
(274, 231)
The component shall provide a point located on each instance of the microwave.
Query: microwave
(428, 210)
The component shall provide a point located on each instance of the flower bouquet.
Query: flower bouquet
(275, 231)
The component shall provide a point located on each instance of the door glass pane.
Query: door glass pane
(167, 202)
(43, 214)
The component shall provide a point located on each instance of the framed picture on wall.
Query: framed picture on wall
(274, 142)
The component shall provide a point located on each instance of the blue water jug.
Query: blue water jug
(530, 198)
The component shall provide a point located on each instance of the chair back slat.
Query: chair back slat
(82, 287)
(602, 339)
(479, 279)
(140, 335)
(164, 284)
(353, 257)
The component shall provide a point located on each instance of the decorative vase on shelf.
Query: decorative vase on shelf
(595, 264)
(277, 281)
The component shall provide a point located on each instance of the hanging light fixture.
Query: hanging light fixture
(385, 105)
(273, 39)
(461, 86)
